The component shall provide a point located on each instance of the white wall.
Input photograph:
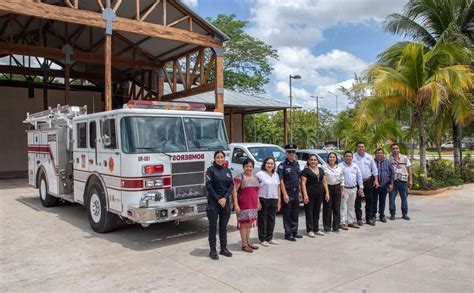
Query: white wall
(14, 104)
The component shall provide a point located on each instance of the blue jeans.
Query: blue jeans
(379, 195)
(402, 188)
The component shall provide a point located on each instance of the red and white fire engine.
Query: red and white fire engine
(142, 164)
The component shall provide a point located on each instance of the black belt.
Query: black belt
(350, 187)
(334, 184)
(365, 180)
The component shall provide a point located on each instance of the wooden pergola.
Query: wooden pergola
(127, 49)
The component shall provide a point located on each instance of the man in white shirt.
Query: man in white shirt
(369, 171)
(352, 186)
(403, 180)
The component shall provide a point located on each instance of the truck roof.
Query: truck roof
(152, 112)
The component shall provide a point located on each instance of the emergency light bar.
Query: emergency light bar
(142, 104)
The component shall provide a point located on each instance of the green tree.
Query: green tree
(246, 59)
(408, 75)
(433, 22)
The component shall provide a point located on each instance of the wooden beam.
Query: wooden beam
(83, 57)
(36, 71)
(149, 10)
(190, 92)
(219, 106)
(108, 68)
(94, 19)
(67, 84)
(179, 20)
(231, 117)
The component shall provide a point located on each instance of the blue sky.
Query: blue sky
(324, 41)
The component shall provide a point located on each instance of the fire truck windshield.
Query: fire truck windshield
(205, 134)
(166, 134)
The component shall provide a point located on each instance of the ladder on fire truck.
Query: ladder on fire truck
(59, 116)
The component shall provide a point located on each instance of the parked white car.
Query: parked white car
(303, 156)
(258, 152)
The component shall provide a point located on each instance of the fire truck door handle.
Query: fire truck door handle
(77, 160)
(105, 163)
(117, 153)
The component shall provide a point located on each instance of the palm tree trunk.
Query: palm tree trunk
(420, 119)
(457, 161)
(438, 147)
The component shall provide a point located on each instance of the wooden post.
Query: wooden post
(242, 127)
(285, 126)
(219, 104)
(108, 67)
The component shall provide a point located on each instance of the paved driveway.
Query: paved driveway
(54, 249)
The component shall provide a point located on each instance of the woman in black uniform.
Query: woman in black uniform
(314, 189)
(219, 185)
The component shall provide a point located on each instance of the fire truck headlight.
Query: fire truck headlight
(150, 183)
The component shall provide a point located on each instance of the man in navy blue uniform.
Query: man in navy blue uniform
(289, 173)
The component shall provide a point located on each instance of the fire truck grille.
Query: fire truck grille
(179, 168)
(188, 181)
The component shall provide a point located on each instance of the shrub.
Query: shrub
(467, 169)
(441, 173)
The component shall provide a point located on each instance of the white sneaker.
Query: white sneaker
(265, 243)
(319, 233)
(311, 234)
(273, 242)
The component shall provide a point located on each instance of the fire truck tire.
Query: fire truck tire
(100, 219)
(47, 200)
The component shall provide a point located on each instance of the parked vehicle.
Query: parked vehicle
(303, 155)
(255, 151)
(143, 164)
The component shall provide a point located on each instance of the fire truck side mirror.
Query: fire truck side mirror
(106, 140)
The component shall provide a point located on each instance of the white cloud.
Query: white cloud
(190, 3)
(301, 22)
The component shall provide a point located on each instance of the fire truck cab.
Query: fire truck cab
(143, 164)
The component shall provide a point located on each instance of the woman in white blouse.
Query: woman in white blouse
(331, 209)
(270, 201)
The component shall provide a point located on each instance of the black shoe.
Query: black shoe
(383, 220)
(290, 238)
(405, 217)
(371, 222)
(298, 236)
(336, 231)
(225, 252)
(213, 255)
(359, 222)
(392, 217)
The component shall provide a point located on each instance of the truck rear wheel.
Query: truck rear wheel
(100, 219)
(47, 200)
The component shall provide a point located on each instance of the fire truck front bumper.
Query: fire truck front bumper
(176, 211)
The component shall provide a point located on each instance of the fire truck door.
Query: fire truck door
(81, 160)
(109, 162)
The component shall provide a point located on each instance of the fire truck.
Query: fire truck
(142, 164)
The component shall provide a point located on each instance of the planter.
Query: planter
(429, 192)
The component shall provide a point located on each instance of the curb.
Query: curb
(429, 192)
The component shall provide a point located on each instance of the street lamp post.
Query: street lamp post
(291, 106)
(317, 119)
(337, 113)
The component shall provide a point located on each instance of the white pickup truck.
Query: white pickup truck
(255, 151)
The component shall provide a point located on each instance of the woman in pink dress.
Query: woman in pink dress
(246, 204)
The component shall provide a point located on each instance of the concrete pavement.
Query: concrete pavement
(54, 249)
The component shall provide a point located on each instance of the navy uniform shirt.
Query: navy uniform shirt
(290, 173)
(219, 183)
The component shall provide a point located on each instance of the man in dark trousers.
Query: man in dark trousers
(289, 173)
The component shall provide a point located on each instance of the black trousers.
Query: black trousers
(312, 210)
(332, 209)
(215, 214)
(368, 201)
(290, 212)
(266, 218)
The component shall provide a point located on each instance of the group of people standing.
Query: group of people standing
(340, 188)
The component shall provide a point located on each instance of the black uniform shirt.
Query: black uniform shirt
(219, 182)
(290, 173)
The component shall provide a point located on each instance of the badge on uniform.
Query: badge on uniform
(228, 175)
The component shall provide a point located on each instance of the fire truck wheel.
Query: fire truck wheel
(47, 200)
(100, 219)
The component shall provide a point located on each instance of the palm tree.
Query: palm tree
(408, 75)
(432, 22)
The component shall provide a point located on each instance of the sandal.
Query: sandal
(247, 248)
(254, 247)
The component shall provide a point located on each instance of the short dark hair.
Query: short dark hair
(379, 150)
(248, 160)
(394, 144)
(347, 152)
(359, 143)
(332, 153)
(264, 164)
(219, 152)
